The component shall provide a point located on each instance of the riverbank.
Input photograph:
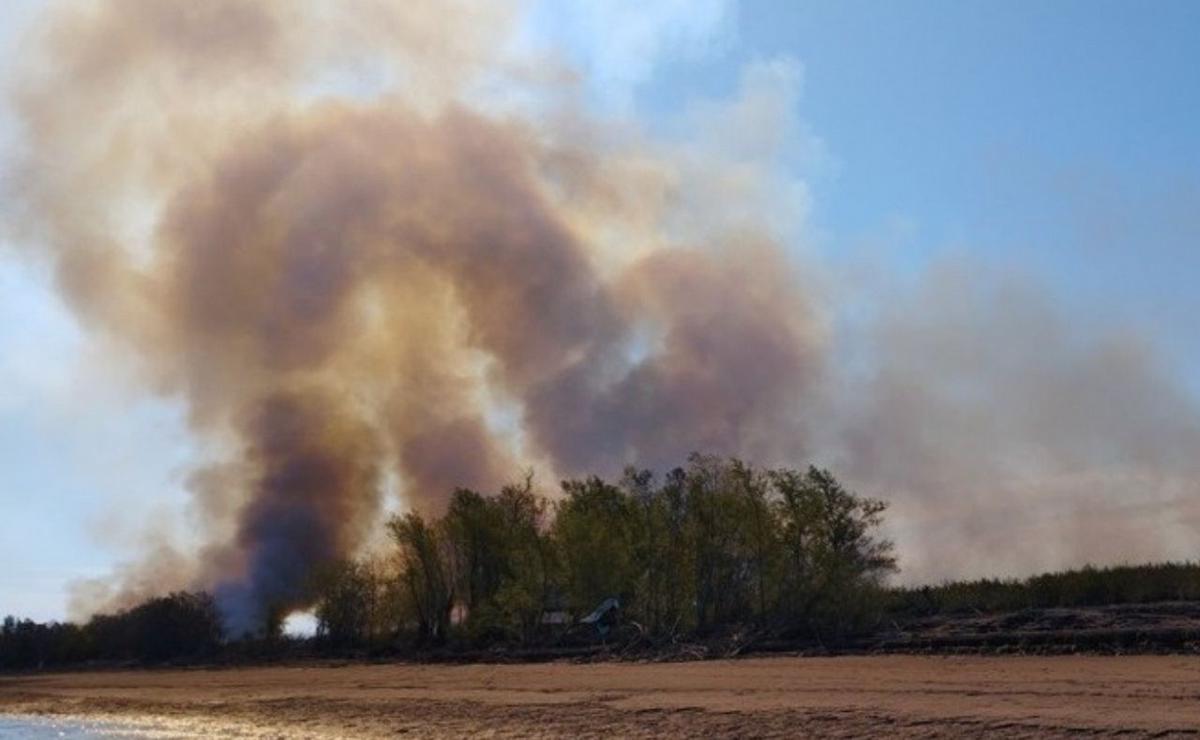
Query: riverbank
(894, 695)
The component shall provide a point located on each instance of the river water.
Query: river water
(46, 728)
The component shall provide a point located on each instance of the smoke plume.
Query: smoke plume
(368, 241)
(1012, 441)
(342, 286)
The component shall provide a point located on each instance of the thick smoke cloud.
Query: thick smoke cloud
(1012, 441)
(342, 288)
(314, 222)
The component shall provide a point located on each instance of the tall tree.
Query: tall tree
(428, 573)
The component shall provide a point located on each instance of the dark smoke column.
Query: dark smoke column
(317, 490)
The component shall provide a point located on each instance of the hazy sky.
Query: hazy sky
(1058, 139)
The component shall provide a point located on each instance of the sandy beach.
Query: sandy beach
(847, 696)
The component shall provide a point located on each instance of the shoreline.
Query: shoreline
(894, 696)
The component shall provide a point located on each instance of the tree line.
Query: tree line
(710, 546)
(713, 547)
(1087, 586)
(179, 626)
(706, 546)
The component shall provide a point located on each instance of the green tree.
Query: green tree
(596, 535)
(527, 559)
(718, 518)
(350, 603)
(835, 562)
(427, 573)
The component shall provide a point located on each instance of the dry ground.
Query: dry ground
(886, 696)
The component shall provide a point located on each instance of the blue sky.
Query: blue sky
(1062, 139)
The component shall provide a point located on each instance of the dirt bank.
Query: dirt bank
(891, 696)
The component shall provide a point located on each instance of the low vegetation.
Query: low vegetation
(1088, 586)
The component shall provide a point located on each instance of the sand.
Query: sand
(883, 696)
